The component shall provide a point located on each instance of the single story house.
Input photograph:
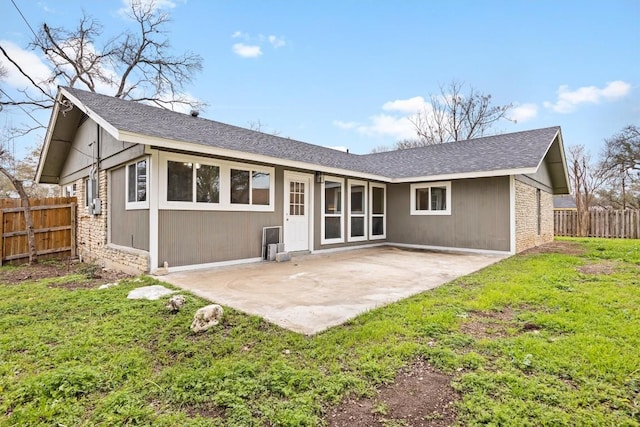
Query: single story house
(157, 188)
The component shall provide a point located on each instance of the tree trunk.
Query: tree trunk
(31, 236)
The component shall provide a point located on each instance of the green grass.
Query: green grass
(92, 357)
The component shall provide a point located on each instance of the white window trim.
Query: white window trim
(353, 183)
(135, 205)
(225, 185)
(373, 185)
(414, 187)
(324, 215)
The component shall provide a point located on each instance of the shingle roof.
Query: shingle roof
(494, 153)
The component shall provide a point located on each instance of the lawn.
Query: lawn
(550, 337)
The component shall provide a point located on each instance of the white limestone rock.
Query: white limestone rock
(175, 303)
(206, 317)
(153, 292)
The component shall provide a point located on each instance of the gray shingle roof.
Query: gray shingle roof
(494, 153)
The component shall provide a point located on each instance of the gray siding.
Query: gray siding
(479, 216)
(541, 179)
(112, 152)
(201, 237)
(128, 228)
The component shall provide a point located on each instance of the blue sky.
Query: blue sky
(349, 73)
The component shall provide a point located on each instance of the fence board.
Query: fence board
(623, 224)
(54, 225)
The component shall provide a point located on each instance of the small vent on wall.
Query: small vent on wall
(83, 119)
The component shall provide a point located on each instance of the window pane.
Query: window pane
(332, 228)
(179, 182)
(239, 186)
(131, 184)
(141, 181)
(332, 197)
(357, 227)
(422, 199)
(377, 225)
(357, 199)
(377, 201)
(207, 184)
(260, 188)
(438, 198)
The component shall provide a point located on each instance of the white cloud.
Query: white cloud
(524, 112)
(240, 35)
(569, 100)
(388, 125)
(29, 62)
(45, 7)
(247, 51)
(276, 42)
(345, 125)
(409, 106)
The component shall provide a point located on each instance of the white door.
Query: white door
(297, 190)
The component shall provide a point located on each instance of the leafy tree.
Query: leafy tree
(621, 158)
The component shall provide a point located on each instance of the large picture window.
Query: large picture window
(431, 198)
(196, 183)
(332, 212)
(137, 184)
(357, 211)
(378, 211)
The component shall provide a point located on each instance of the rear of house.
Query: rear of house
(158, 187)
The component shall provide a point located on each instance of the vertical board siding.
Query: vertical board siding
(479, 216)
(128, 228)
(602, 223)
(202, 237)
(53, 222)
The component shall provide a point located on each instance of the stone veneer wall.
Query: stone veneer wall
(526, 217)
(92, 236)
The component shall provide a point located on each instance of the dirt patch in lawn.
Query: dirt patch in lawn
(567, 248)
(419, 397)
(93, 276)
(605, 267)
(489, 324)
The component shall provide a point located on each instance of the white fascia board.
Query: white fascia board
(465, 175)
(92, 114)
(47, 139)
(261, 158)
(558, 137)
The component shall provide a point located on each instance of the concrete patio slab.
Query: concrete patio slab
(314, 292)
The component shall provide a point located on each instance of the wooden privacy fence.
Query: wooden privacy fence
(54, 222)
(624, 224)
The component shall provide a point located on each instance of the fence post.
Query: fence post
(73, 230)
(1, 236)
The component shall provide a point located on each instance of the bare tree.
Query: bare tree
(454, 115)
(621, 158)
(586, 178)
(135, 65)
(258, 126)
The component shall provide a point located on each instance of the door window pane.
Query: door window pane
(260, 188)
(207, 184)
(239, 186)
(179, 181)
